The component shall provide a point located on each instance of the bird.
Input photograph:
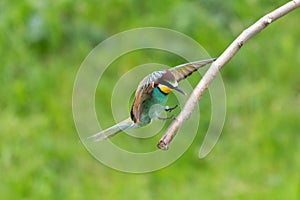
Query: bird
(151, 96)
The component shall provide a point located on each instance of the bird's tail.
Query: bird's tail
(112, 131)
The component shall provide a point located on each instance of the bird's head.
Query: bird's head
(167, 83)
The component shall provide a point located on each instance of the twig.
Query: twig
(216, 67)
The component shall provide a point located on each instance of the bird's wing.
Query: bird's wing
(143, 91)
(180, 72)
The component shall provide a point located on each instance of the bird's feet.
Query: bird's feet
(165, 118)
(168, 109)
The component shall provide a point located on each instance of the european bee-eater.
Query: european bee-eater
(151, 95)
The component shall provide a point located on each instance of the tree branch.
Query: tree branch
(216, 67)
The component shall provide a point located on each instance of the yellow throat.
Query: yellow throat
(164, 89)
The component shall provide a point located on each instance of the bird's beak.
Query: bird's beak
(179, 90)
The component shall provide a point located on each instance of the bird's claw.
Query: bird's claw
(167, 109)
(165, 118)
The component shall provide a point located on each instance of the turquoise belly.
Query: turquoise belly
(157, 97)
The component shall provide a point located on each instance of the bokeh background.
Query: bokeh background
(42, 46)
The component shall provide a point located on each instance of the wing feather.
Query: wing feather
(180, 72)
(143, 91)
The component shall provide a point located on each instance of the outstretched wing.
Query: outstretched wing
(143, 92)
(180, 72)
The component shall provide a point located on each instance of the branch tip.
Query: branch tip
(162, 145)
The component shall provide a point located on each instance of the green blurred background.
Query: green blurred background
(42, 46)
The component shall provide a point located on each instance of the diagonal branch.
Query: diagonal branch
(216, 67)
